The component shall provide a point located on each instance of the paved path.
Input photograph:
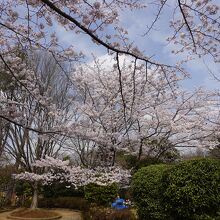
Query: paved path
(66, 213)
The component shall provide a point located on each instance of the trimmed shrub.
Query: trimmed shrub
(101, 195)
(192, 189)
(97, 213)
(145, 187)
(77, 203)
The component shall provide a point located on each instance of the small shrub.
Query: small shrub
(101, 195)
(146, 193)
(97, 213)
(192, 189)
(77, 203)
(123, 215)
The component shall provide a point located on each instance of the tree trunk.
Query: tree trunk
(11, 185)
(34, 203)
(10, 192)
(140, 150)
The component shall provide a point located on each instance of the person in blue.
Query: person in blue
(119, 204)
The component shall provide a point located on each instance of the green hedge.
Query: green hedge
(189, 190)
(101, 195)
(56, 190)
(192, 189)
(146, 192)
(77, 203)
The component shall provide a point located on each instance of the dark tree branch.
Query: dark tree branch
(186, 23)
(97, 39)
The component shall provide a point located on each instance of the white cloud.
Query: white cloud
(154, 44)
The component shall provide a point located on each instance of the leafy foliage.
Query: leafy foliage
(131, 161)
(101, 195)
(192, 188)
(23, 188)
(145, 188)
(147, 161)
(188, 190)
(24, 191)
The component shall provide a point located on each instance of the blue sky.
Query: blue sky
(154, 44)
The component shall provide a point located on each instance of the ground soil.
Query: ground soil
(34, 213)
(65, 213)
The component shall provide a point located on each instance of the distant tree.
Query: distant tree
(215, 152)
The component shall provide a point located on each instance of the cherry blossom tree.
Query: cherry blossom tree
(51, 109)
(149, 107)
(32, 25)
(58, 170)
(119, 107)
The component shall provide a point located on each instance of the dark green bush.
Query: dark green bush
(97, 213)
(132, 161)
(101, 195)
(192, 189)
(60, 190)
(23, 188)
(206, 217)
(77, 203)
(125, 193)
(145, 187)
(24, 191)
